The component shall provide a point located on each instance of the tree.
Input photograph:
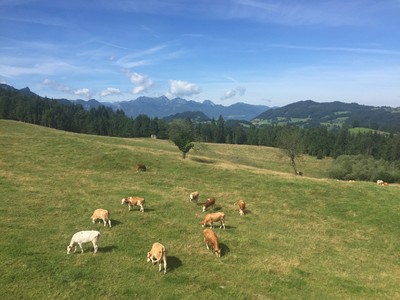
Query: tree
(291, 143)
(181, 134)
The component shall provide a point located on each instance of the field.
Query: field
(303, 237)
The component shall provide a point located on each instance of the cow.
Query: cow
(141, 168)
(134, 201)
(157, 253)
(82, 237)
(214, 217)
(211, 240)
(242, 205)
(209, 202)
(194, 196)
(101, 214)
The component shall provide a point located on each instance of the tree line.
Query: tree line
(318, 141)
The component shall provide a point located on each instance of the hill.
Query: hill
(301, 237)
(333, 114)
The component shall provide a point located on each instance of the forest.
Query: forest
(317, 141)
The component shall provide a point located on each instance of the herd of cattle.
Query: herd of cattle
(158, 252)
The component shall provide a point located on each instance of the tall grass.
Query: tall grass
(302, 237)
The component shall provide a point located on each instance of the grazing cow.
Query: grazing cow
(84, 237)
(141, 167)
(134, 201)
(214, 217)
(211, 240)
(101, 214)
(209, 202)
(194, 196)
(158, 252)
(242, 206)
(381, 182)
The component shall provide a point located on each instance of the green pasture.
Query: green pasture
(302, 237)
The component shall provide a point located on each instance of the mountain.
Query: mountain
(162, 107)
(332, 114)
(26, 91)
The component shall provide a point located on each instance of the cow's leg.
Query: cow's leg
(80, 245)
(208, 248)
(165, 263)
(95, 247)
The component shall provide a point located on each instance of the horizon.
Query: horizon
(270, 52)
(198, 100)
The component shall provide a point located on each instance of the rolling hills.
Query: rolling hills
(333, 114)
(301, 238)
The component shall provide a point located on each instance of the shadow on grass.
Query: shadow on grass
(224, 249)
(173, 263)
(115, 223)
(145, 210)
(202, 160)
(107, 249)
(229, 227)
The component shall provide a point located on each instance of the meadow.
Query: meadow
(302, 237)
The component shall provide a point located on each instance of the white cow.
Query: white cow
(82, 237)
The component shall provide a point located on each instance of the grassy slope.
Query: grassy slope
(302, 238)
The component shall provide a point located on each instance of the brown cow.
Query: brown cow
(242, 206)
(211, 240)
(214, 217)
(158, 252)
(101, 214)
(141, 167)
(209, 202)
(134, 201)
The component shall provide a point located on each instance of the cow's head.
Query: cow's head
(218, 252)
(69, 248)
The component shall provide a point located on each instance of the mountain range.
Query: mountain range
(306, 113)
(162, 107)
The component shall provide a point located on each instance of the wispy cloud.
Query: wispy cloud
(110, 91)
(378, 51)
(239, 90)
(82, 92)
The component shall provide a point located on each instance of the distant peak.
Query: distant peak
(208, 102)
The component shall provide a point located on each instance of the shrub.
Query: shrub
(365, 168)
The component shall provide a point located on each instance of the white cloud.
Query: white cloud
(239, 90)
(110, 91)
(85, 92)
(142, 82)
(180, 88)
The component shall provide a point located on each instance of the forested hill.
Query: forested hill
(311, 114)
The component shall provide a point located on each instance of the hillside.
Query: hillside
(301, 237)
(311, 114)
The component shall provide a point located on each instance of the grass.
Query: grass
(302, 237)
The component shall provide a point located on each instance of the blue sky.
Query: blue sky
(266, 52)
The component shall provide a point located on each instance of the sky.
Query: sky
(268, 52)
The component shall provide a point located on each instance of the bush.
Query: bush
(365, 168)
